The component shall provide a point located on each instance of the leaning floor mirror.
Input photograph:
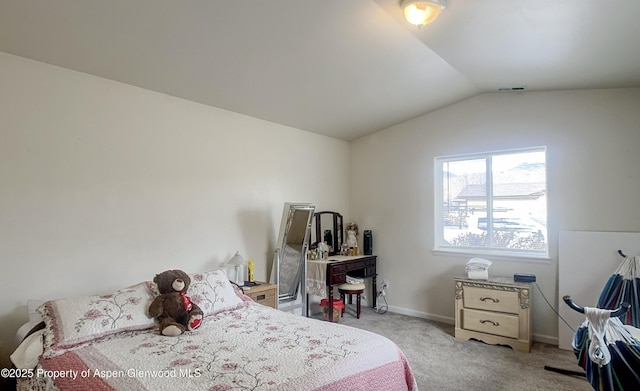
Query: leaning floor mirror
(288, 271)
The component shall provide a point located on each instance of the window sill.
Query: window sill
(493, 255)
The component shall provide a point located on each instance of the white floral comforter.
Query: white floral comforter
(252, 347)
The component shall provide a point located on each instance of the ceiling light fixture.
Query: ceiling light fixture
(422, 12)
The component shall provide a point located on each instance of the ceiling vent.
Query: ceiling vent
(512, 89)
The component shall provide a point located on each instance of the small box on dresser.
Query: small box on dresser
(495, 311)
(264, 293)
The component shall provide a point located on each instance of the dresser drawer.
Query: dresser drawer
(495, 311)
(267, 298)
(338, 268)
(357, 265)
(491, 299)
(264, 294)
(505, 325)
(339, 278)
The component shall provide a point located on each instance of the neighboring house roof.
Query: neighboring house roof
(507, 190)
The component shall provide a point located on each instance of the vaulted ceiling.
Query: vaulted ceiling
(343, 68)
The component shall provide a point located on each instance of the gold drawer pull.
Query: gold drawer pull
(261, 297)
(483, 321)
(489, 298)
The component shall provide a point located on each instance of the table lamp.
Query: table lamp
(238, 262)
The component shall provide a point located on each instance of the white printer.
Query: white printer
(478, 269)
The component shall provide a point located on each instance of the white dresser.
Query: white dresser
(497, 311)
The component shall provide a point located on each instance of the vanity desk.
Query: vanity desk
(323, 275)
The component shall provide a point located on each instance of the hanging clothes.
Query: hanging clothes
(603, 342)
(624, 287)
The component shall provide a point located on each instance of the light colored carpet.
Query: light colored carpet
(441, 362)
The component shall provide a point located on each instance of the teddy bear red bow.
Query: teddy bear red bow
(173, 308)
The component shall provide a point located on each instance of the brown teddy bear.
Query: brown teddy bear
(173, 308)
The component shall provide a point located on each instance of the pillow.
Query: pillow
(27, 354)
(32, 306)
(212, 292)
(75, 321)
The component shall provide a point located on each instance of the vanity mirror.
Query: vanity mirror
(289, 267)
(329, 228)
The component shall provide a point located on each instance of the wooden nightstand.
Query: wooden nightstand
(497, 311)
(264, 293)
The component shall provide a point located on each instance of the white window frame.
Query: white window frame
(439, 222)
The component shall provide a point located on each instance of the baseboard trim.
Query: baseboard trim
(545, 339)
(548, 339)
(423, 315)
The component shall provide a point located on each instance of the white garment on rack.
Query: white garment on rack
(598, 321)
(603, 330)
(629, 268)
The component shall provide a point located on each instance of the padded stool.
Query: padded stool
(351, 289)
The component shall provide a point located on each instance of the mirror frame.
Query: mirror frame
(294, 235)
(337, 230)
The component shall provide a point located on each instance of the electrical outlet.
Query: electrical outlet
(385, 284)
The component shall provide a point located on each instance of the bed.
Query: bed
(108, 342)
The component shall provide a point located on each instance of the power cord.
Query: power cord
(553, 309)
(382, 295)
(550, 368)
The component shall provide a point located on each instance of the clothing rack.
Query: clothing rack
(605, 370)
(624, 307)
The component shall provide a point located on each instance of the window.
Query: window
(492, 203)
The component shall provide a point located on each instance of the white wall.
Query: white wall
(593, 160)
(104, 185)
